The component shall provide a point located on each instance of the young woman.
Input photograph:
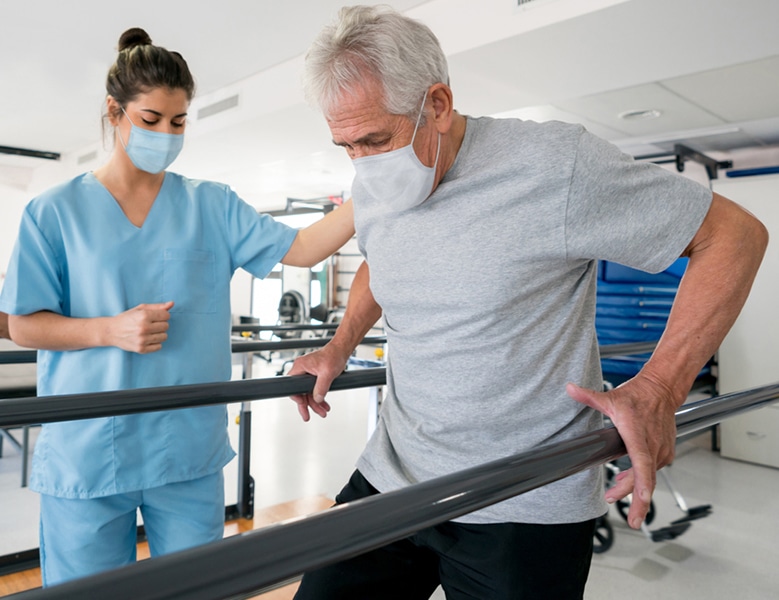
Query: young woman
(121, 278)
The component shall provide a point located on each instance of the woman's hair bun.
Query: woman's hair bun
(133, 37)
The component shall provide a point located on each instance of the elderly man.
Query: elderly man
(483, 237)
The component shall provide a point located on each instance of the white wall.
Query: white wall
(13, 203)
(749, 355)
(38, 176)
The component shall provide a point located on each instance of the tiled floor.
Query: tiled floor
(733, 553)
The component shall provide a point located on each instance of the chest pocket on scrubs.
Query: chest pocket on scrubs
(189, 279)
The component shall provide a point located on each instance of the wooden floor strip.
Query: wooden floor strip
(30, 579)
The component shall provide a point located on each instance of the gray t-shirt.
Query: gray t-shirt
(488, 292)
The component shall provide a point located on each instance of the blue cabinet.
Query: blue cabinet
(633, 306)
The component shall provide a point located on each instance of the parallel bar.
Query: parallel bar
(300, 327)
(697, 416)
(17, 357)
(13, 357)
(29, 356)
(19, 392)
(296, 344)
(46, 409)
(612, 350)
(356, 527)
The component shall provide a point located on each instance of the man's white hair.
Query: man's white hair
(400, 54)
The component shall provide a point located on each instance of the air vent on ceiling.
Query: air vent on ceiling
(217, 107)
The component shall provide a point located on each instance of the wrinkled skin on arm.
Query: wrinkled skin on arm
(724, 256)
(361, 314)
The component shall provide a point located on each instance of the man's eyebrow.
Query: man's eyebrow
(369, 139)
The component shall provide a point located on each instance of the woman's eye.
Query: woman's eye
(148, 122)
(177, 125)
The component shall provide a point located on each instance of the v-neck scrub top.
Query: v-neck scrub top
(78, 255)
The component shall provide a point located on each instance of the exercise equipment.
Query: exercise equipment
(293, 310)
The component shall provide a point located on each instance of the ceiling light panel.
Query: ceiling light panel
(756, 87)
(676, 113)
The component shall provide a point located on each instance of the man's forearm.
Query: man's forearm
(360, 316)
(723, 261)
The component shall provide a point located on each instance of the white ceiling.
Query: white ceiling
(710, 67)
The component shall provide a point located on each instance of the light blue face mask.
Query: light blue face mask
(151, 151)
(398, 178)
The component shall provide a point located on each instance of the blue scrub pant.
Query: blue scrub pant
(84, 537)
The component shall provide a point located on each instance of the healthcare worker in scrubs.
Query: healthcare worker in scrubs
(121, 278)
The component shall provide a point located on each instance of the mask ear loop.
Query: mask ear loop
(419, 118)
(120, 133)
(416, 128)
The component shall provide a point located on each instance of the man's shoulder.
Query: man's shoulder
(523, 138)
(527, 126)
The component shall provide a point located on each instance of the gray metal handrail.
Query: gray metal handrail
(628, 349)
(12, 357)
(253, 328)
(18, 357)
(47, 409)
(255, 560)
(606, 351)
(294, 344)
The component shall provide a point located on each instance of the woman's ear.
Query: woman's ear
(113, 110)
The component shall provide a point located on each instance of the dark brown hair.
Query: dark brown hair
(141, 67)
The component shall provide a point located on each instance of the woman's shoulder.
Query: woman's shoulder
(60, 196)
(199, 187)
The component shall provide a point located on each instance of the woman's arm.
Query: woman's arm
(321, 239)
(142, 329)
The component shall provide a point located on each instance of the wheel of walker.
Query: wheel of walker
(623, 507)
(603, 538)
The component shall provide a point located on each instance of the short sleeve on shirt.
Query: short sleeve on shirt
(635, 214)
(35, 273)
(258, 241)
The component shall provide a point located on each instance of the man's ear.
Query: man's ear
(443, 106)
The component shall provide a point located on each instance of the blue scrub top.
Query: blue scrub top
(78, 255)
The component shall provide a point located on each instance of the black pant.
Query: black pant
(499, 561)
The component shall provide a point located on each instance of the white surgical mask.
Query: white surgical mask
(151, 151)
(397, 178)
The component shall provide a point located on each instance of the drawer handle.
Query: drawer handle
(753, 435)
